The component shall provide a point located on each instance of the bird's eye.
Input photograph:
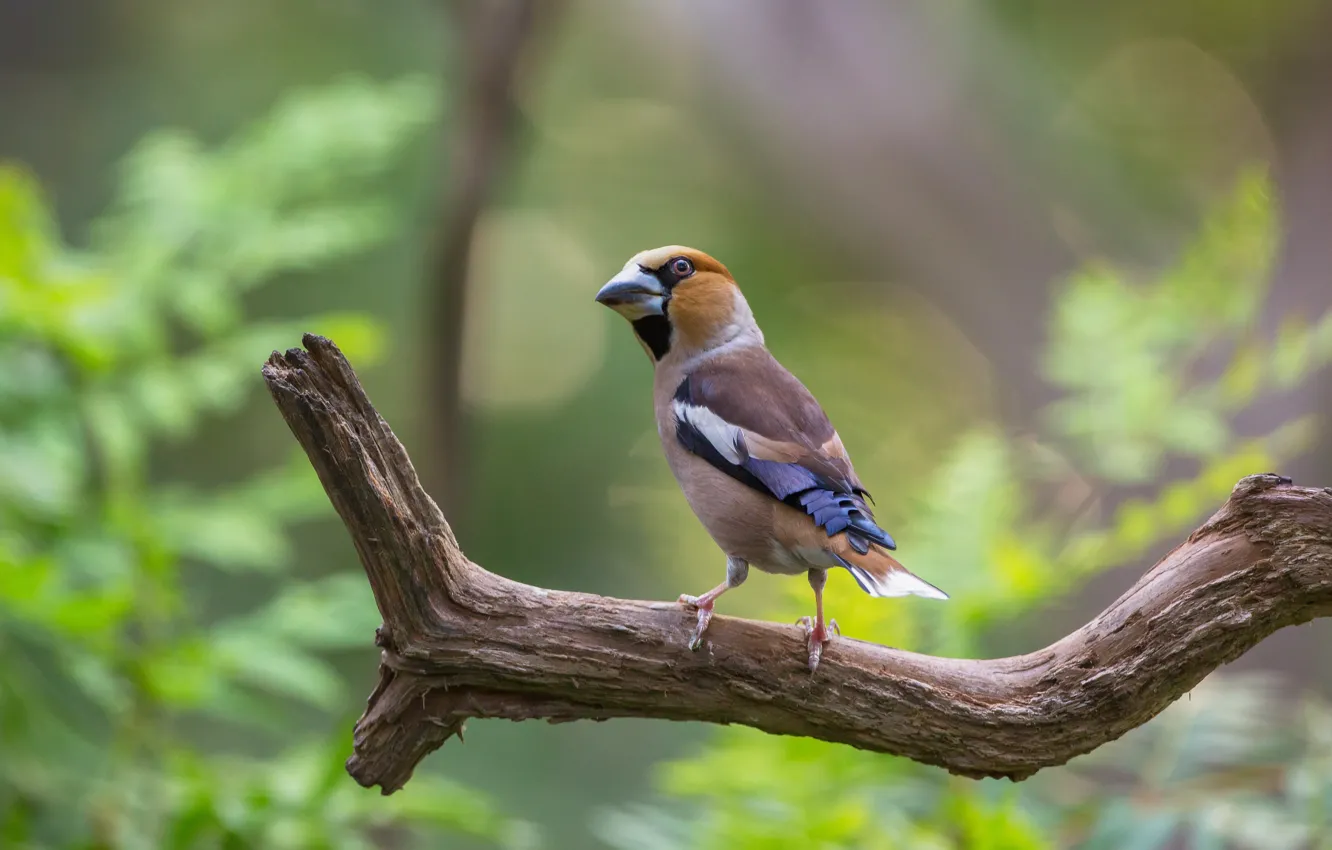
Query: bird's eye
(681, 267)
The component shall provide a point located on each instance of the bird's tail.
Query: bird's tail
(880, 574)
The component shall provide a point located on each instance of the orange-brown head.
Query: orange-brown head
(679, 300)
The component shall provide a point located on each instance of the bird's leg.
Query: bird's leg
(736, 573)
(818, 632)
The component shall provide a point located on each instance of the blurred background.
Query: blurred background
(1058, 271)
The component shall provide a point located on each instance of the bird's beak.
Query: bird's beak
(634, 293)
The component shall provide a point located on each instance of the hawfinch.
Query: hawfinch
(757, 458)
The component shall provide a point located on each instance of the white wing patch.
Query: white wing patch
(724, 437)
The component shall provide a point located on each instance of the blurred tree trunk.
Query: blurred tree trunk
(54, 37)
(497, 38)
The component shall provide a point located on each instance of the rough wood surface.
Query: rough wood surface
(460, 642)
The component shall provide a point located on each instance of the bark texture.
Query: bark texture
(461, 642)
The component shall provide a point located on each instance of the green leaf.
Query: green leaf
(112, 429)
(981, 824)
(337, 612)
(277, 668)
(225, 533)
(91, 619)
(163, 400)
(182, 674)
(291, 491)
(206, 302)
(1123, 349)
(98, 680)
(1292, 354)
(42, 467)
(1195, 431)
(27, 230)
(33, 378)
(361, 339)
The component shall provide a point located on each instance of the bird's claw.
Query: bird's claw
(818, 637)
(704, 618)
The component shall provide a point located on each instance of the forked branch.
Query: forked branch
(460, 642)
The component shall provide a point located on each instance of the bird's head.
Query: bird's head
(679, 301)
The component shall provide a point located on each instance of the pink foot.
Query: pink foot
(704, 607)
(819, 636)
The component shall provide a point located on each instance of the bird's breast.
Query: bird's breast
(745, 523)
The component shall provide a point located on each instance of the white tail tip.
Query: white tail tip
(895, 583)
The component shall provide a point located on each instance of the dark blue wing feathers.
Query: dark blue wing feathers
(843, 511)
(784, 480)
(834, 503)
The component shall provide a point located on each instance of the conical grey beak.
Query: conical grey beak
(634, 293)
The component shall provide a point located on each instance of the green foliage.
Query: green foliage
(1233, 765)
(112, 666)
(1126, 353)
(1015, 524)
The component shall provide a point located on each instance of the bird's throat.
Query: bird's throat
(655, 334)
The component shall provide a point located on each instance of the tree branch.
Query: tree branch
(460, 642)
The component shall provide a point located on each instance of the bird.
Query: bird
(760, 463)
